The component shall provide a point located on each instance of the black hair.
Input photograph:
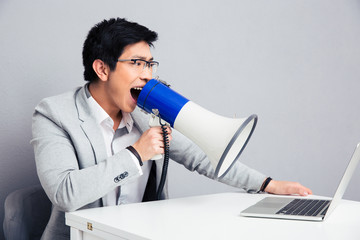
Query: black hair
(106, 41)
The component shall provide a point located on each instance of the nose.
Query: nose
(146, 74)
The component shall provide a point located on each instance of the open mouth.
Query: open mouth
(135, 92)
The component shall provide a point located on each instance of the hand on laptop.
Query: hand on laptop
(287, 188)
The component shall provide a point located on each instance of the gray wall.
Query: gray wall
(294, 63)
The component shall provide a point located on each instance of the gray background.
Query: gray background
(294, 63)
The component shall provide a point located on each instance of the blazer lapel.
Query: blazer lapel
(89, 126)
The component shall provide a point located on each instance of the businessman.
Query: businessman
(93, 147)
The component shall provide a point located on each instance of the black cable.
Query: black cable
(166, 159)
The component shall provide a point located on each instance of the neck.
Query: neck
(97, 91)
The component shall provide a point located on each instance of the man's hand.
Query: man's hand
(151, 143)
(287, 188)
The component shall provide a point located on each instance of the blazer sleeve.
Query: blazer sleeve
(185, 152)
(68, 183)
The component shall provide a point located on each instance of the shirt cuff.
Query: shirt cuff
(136, 162)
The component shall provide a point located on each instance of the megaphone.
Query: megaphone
(221, 139)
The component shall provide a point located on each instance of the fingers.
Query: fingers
(151, 142)
(287, 188)
(156, 142)
(158, 137)
(299, 189)
(304, 191)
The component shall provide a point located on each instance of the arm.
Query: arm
(192, 157)
(185, 152)
(67, 166)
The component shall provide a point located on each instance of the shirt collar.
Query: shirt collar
(127, 121)
(101, 115)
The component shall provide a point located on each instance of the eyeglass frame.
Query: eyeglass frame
(146, 65)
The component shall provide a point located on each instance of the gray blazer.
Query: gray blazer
(75, 171)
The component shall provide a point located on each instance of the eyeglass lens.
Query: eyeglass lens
(143, 64)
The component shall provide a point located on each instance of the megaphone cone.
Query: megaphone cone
(222, 139)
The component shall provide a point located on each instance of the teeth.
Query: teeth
(138, 88)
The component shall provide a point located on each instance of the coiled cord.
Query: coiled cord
(166, 159)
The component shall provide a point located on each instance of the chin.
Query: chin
(129, 109)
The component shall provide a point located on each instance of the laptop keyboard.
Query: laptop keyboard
(305, 207)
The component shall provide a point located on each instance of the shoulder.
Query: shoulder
(139, 114)
(60, 105)
(141, 119)
(59, 100)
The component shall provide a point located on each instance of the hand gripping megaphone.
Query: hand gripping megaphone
(222, 139)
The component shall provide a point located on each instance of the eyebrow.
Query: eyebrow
(141, 57)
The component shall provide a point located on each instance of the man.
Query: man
(93, 147)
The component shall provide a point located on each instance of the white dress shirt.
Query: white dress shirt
(125, 135)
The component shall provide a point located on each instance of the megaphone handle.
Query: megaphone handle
(155, 122)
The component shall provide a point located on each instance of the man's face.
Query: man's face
(122, 82)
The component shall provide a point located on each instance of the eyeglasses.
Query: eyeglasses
(140, 64)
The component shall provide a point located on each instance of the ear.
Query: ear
(101, 69)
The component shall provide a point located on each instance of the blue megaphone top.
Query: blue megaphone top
(156, 95)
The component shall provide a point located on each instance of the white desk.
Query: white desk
(207, 217)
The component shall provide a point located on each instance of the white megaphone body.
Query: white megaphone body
(222, 139)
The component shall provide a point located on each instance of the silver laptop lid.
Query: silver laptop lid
(344, 180)
(269, 206)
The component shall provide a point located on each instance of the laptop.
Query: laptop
(303, 208)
